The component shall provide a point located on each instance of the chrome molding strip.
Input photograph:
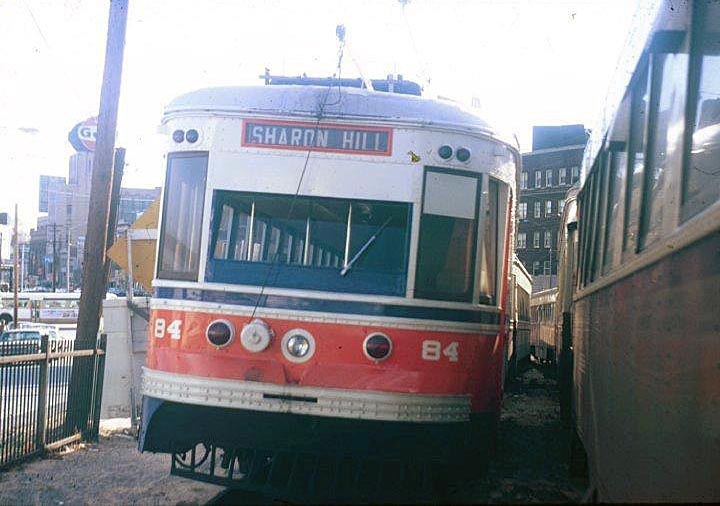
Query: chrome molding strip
(318, 317)
(330, 402)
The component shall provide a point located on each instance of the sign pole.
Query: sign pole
(15, 268)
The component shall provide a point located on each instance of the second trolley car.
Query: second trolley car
(640, 282)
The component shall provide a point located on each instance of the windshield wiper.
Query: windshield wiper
(365, 247)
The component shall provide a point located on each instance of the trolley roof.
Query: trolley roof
(343, 103)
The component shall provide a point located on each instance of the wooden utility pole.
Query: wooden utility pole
(94, 280)
(117, 175)
(15, 268)
(94, 284)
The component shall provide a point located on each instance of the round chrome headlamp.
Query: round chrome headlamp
(298, 345)
(220, 333)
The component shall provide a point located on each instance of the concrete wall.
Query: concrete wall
(125, 356)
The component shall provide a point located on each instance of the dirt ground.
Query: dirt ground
(112, 472)
(531, 461)
(530, 466)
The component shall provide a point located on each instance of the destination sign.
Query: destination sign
(328, 137)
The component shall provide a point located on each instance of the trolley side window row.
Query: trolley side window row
(666, 132)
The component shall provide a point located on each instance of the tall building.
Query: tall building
(549, 171)
(57, 242)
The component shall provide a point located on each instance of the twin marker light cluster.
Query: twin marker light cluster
(461, 154)
(297, 345)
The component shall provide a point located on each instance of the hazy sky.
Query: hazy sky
(528, 62)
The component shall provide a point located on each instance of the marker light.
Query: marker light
(298, 345)
(255, 336)
(377, 347)
(178, 136)
(445, 152)
(192, 135)
(220, 333)
(462, 154)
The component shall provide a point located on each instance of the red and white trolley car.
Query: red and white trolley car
(331, 275)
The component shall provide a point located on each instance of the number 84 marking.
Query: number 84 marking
(433, 350)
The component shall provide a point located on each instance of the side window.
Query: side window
(448, 237)
(667, 108)
(182, 216)
(617, 153)
(636, 157)
(701, 178)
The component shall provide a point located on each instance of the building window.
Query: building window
(538, 209)
(548, 207)
(546, 267)
(522, 211)
(524, 180)
(536, 268)
(538, 178)
(521, 240)
(561, 207)
(548, 177)
(575, 174)
(562, 176)
(546, 242)
(536, 239)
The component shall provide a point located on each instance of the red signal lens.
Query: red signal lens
(378, 347)
(220, 333)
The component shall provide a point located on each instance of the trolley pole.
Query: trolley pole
(94, 285)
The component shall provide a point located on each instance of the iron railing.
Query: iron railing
(38, 410)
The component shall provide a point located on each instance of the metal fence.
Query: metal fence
(42, 406)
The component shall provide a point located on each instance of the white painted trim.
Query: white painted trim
(320, 317)
(331, 402)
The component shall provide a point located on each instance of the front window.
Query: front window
(448, 237)
(182, 216)
(309, 242)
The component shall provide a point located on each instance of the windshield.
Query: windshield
(304, 242)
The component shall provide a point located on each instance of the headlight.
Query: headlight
(298, 345)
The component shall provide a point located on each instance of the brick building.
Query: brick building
(549, 171)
